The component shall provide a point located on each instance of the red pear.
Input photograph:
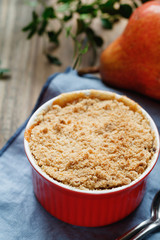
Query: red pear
(133, 60)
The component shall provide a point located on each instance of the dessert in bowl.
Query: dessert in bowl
(91, 152)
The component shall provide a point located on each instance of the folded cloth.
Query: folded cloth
(22, 217)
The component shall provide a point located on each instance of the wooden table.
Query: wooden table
(28, 65)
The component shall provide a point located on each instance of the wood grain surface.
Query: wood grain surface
(28, 66)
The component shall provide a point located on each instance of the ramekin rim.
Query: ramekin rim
(91, 192)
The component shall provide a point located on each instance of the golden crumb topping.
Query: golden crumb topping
(92, 144)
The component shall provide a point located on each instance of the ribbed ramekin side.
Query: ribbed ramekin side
(86, 209)
(126, 202)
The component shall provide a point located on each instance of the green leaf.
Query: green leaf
(108, 7)
(106, 23)
(53, 36)
(98, 40)
(28, 27)
(42, 27)
(34, 16)
(90, 33)
(93, 37)
(64, 7)
(32, 26)
(84, 50)
(3, 71)
(84, 16)
(81, 26)
(54, 60)
(32, 32)
(49, 13)
(87, 9)
(68, 31)
(125, 10)
(67, 17)
(135, 4)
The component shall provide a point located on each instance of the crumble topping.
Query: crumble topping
(92, 143)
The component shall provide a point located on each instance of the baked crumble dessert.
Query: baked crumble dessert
(92, 142)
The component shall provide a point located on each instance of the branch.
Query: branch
(94, 69)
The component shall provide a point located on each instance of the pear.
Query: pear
(132, 61)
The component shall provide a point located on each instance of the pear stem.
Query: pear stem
(93, 69)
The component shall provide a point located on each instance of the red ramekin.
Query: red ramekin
(90, 208)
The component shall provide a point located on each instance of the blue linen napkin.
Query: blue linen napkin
(22, 217)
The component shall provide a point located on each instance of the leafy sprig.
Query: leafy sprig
(4, 72)
(64, 11)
